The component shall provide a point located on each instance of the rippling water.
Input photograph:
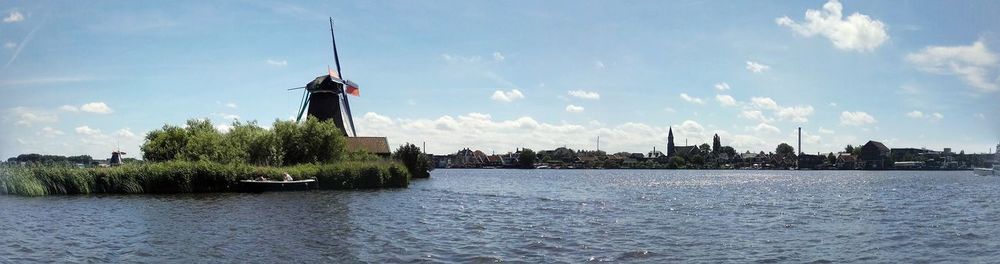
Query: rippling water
(533, 216)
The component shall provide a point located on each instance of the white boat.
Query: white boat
(986, 171)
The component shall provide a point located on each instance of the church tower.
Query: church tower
(670, 143)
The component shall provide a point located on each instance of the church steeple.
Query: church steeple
(670, 142)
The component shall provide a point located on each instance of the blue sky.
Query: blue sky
(77, 77)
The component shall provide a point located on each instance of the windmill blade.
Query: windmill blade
(296, 88)
(305, 103)
(350, 117)
(336, 57)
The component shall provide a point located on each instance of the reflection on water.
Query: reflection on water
(533, 216)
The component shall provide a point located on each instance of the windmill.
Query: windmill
(116, 156)
(325, 97)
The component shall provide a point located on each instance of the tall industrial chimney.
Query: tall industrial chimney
(800, 141)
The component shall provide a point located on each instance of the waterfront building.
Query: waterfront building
(875, 156)
(467, 158)
(808, 161)
(846, 161)
(912, 154)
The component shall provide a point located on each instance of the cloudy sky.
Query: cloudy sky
(77, 77)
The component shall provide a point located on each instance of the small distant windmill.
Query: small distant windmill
(325, 97)
(116, 156)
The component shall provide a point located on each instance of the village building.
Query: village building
(379, 146)
(875, 156)
(683, 151)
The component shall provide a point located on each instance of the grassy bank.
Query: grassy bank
(186, 176)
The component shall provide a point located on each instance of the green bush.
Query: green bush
(287, 143)
(416, 161)
(191, 176)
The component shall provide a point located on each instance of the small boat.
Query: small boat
(277, 186)
(986, 171)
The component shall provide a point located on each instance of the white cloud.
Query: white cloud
(13, 17)
(96, 107)
(507, 96)
(725, 100)
(755, 67)
(277, 63)
(764, 103)
(377, 119)
(690, 128)
(23, 116)
(933, 117)
(448, 134)
(825, 131)
(857, 32)
(798, 114)
(10, 45)
(722, 87)
(599, 65)
(832, 104)
(981, 116)
(223, 128)
(460, 59)
(497, 56)
(574, 109)
(228, 116)
(689, 99)
(755, 115)
(45, 80)
(50, 132)
(125, 133)
(973, 64)
(69, 108)
(936, 117)
(856, 118)
(231, 105)
(585, 94)
(765, 128)
(86, 130)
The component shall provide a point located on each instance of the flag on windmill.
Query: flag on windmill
(349, 86)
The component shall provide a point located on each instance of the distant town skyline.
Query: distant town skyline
(84, 78)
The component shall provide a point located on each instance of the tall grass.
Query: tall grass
(187, 176)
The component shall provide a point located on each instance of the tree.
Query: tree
(81, 159)
(716, 144)
(705, 148)
(564, 154)
(729, 151)
(676, 162)
(526, 160)
(414, 159)
(785, 150)
(849, 148)
(832, 159)
(203, 141)
(164, 144)
(698, 159)
(313, 141)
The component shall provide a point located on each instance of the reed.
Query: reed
(189, 176)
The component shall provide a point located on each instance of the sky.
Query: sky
(89, 77)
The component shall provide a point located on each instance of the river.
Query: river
(533, 216)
